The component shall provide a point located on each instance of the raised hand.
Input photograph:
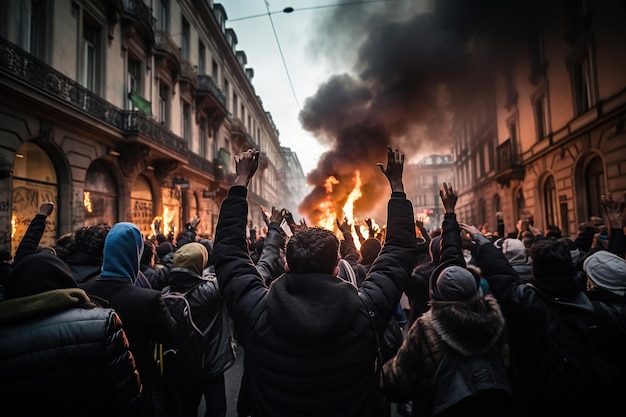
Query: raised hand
(345, 227)
(393, 171)
(246, 165)
(448, 197)
(613, 210)
(46, 208)
(276, 216)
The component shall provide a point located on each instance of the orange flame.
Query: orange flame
(331, 213)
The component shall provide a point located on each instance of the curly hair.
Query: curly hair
(312, 250)
(90, 240)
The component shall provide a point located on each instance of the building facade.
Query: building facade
(125, 111)
(424, 179)
(547, 139)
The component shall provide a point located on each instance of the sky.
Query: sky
(343, 79)
(283, 53)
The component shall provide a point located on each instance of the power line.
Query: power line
(282, 57)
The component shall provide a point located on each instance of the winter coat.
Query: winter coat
(526, 305)
(210, 315)
(70, 360)
(270, 264)
(309, 343)
(144, 314)
(445, 326)
(158, 277)
(84, 267)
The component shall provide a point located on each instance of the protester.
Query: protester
(551, 327)
(188, 379)
(85, 256)
(459, 319)
(156, 277)
(309, 343)
(146, 318)
(59, 345)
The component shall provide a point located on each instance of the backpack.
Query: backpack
(185, 353)
(573, 367)
(471, 385)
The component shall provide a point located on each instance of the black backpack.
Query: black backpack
(185, 353)
(476, 385)
(574, 367)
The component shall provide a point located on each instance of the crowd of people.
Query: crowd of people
(329, 328)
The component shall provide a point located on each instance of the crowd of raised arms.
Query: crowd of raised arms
(454, 321)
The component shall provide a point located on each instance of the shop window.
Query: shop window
(100, 196)
(34, 182)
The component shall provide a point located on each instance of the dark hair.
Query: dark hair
(551, 259)
(312, 250)
(149, 251)
(553, 232)
(90, 240)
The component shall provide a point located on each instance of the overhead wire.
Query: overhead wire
(282, 56)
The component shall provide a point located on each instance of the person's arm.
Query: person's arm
(614, 211)
(269, 265)
(30, 242)
(240, 283)
(350, 254)
(394, 264)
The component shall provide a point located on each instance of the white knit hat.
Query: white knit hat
(607, 271)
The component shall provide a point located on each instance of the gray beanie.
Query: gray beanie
(607, 271)
(455, 283)
(514, 250)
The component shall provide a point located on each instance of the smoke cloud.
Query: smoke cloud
(416, 69)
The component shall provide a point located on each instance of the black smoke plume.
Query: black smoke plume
(417, 68)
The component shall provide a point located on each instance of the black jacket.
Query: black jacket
(309, 342)
(67, 360)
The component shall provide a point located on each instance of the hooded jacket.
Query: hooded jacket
(207, 307)
(309, 342)
(144, 314)
(54, 340)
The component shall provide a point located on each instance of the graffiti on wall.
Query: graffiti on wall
(142, 215)
(27, 197)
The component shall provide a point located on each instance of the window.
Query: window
(201, 58)
(540, 108)
(582, 80)
(510, 89)
(594, 186)
(162, 9)
(135, 76)
(215, 73)
(31, 26)
(91, 64)
(100, 195)
(550, 202)
(203, 139)
(234, 104)
(185, 41)
(537, 57)
(186, 128)
(164, 104)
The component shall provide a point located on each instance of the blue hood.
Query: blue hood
(123, 247)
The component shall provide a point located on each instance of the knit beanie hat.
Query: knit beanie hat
(455, 283)
(164, 248)
(435, 249)
(607, 271)
(192, 256)
(38, 273)
(370, 249)
(513, 249)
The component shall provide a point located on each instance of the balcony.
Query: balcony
(137, 124)
(166, 53)
(187, 76)
(137, 17)
(211, 100)
(201, 163)
(509, 165)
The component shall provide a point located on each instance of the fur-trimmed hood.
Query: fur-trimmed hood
(465, 328)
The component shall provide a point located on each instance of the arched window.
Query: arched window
(550, 202)
(100, 196)
(594, 186)
(141, 209)
(34, 182)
